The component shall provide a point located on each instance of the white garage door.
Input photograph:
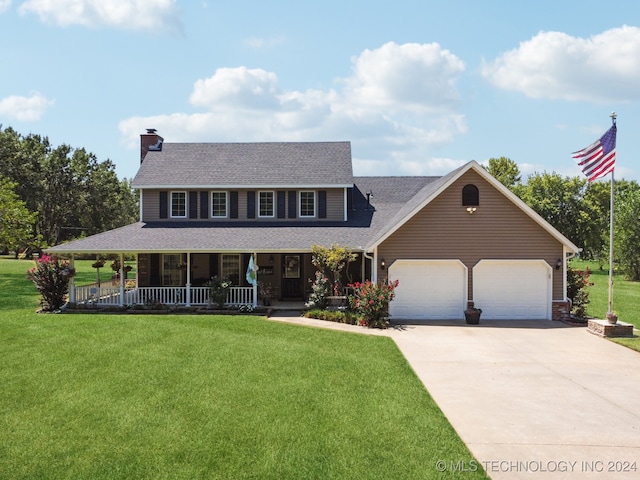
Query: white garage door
(513, 289)
(428, 289)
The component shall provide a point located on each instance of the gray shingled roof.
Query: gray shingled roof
(198, 165)
(366, 221)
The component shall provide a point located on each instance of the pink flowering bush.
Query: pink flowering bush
(51, 277)
(371, 302)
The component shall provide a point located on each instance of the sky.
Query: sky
(419, 87)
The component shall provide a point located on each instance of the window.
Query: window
(470, 196)
(265, 204)
(172, 270)
(307, 204)
(231, 268)
(178, 204)
(218, 204)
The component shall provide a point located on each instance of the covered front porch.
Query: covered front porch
(180, 279)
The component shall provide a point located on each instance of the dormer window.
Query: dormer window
(470, 196)
(265, 204)
(218, 204)
(307, 204)
(178, 204)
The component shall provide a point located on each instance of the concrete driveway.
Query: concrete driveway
(532, 399)
(535, 399)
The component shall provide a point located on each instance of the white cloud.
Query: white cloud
(25, 109)
(415, 77)
(4, 5)
(152, 15)
(399, 104)
(602, 68)
(239, 87)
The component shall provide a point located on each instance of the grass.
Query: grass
(127, 396)
(626, 297)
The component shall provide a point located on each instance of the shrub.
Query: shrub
(337, 316)
(218, 290)
(577, 283)
(371, 302)
(320, 289)
(51, 277)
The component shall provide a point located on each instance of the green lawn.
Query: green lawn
(139, 396)
(626, 297)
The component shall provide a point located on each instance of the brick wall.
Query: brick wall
(561, 310)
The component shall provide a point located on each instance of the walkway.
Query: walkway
(530, 399)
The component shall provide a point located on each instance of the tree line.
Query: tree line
(49, 194)
(581, 211)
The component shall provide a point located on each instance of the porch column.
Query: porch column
(72, 283)
(122, 279)
(255, 294)
(188, 299)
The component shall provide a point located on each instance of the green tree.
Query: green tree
(72, 192)
(559, 201)
(16, 222)
(505, 170)
(627, 230)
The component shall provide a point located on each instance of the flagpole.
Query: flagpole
(613, 121)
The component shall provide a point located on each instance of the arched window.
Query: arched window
(470, 196)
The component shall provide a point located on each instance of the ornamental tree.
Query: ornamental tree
(51, 277)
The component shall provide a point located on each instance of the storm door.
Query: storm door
(292, 276)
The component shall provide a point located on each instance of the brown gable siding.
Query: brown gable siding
(497, 230)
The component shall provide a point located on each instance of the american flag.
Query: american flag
(599, 158)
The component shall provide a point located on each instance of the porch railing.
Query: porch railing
(91, 295)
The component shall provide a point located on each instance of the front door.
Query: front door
(292, 277)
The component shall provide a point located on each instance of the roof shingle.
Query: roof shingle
(196, 165)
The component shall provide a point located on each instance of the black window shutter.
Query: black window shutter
(204, 204)
(193, 204)
(281, 204)
(164, 205)
(154, 266)
(251, 204)
(233, 204)
(322, 204)
(293, 201)
(213, 264)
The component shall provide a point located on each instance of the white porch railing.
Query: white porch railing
(91, 295)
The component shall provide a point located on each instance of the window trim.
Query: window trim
(226, 204)
(186, 209)
(273, 210)
(315, 203)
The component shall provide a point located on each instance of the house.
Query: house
(206, 208)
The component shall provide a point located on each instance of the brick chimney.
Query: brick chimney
(150, 142)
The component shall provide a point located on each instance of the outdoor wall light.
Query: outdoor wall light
(383, 264)
(471, 210)
(559, 264)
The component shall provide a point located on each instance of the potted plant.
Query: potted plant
(472, 314)
(265, 293)
(612, 317)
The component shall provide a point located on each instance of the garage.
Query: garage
(513, 289)
(428, 289)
